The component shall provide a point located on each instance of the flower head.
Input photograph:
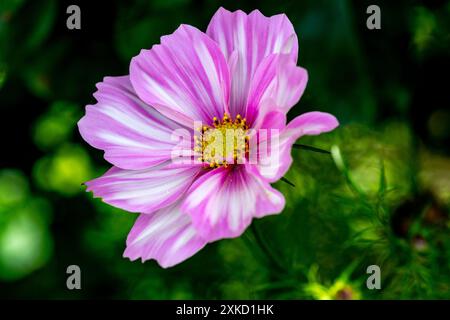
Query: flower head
(219, 99)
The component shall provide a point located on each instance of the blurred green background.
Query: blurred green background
(382, 198)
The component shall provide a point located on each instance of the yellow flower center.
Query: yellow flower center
(223, 144)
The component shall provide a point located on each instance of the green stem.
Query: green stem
(287, 181)
(309, 148)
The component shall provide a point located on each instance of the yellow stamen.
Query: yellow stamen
(224, 140)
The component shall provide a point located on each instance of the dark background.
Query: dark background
(387, 206)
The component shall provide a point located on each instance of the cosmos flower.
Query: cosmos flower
(239, 76)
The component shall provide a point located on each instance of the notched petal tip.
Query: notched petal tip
(223, 10)
(166, 236)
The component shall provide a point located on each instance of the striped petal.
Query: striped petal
(144, 190)
(276, 159)
(132, 134)
(278, 80)
(223, 202)
(166, 235)
(186, 77)
(247, 40)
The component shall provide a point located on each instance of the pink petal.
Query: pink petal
(186, 77)
(279, 158)
(166, 235)
(223, 202)
(253, 37)
(273, 120)
(144, 190)
(132, 134)
(269, 117)
(310, 123)
(279, 80)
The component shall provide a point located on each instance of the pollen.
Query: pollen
(223, 144)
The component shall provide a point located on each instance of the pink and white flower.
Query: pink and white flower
(241, 74)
